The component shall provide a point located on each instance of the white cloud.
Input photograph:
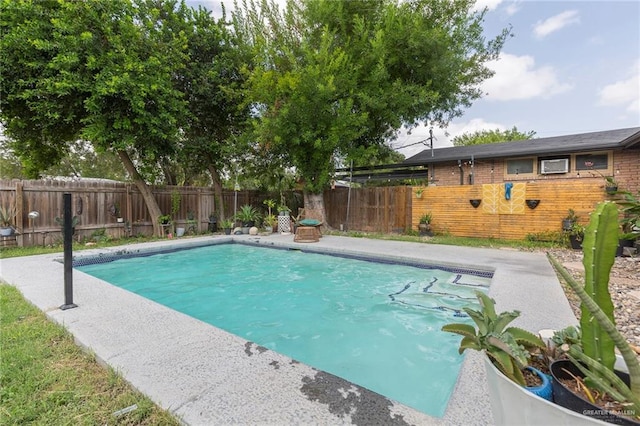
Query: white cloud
(624, 92)
(512, 8)
(472, 126)
(550, 25)
(442, 137)
(516, 77)
(489, 4)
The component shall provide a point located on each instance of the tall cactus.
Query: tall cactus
(599, 248)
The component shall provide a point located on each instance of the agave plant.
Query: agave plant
(247, 214)
(508, 347)
(6, 216)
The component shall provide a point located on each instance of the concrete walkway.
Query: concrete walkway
(206, 376)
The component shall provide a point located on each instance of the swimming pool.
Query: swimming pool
(382, 321)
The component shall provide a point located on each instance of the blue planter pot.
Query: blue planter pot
(545, 390)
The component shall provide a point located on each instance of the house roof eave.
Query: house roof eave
(595, 141)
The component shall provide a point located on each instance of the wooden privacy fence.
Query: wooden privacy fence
(497, 217)
(383, 209)
(98, 204)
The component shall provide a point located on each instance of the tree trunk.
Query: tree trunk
(147, 195)
(217, 191)
(314, 208)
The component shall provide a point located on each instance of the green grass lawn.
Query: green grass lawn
(46, 379)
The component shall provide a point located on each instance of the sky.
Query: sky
(571, 67)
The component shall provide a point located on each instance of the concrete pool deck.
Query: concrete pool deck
(206, 376)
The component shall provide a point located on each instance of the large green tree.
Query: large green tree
(481, 137)
(81, 160)
(212, 84)
(98, 70)
(337, 79)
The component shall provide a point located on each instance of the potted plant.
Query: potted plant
(593, 357)
(509, 349)
(164, 219)
(570, 219)
(7, 214)
(610, 185)
(227, 225)
(283, 210)
(511, 405)
(576, 233)
(247, 215)
(424, 223)
(419, 192)
(270, 222)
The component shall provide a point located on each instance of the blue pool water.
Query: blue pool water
(377, 325)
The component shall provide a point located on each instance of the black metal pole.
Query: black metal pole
(67, 232)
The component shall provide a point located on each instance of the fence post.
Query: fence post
(19, 204)
(68, 254)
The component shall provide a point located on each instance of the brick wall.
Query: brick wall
(625, 167)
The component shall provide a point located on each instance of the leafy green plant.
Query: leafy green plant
(99, 235)
(599, 335)
(7, 214)
(283, 208)
(226, 224)
(508, 347)
(75, 220)
(610, 182)
(577, 230)
(247, 214)
(175, 203)
(571, 215)
(630, 208)
(426, 218)
(271, 204)
(270, 220)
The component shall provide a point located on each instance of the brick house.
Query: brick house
(561, 173)
(583, 156)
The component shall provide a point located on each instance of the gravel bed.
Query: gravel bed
(624, 286)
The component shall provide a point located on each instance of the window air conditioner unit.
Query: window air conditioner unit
(560, 165)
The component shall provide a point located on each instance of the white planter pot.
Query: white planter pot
(179, 232)
(5, 232)
(514, 405)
